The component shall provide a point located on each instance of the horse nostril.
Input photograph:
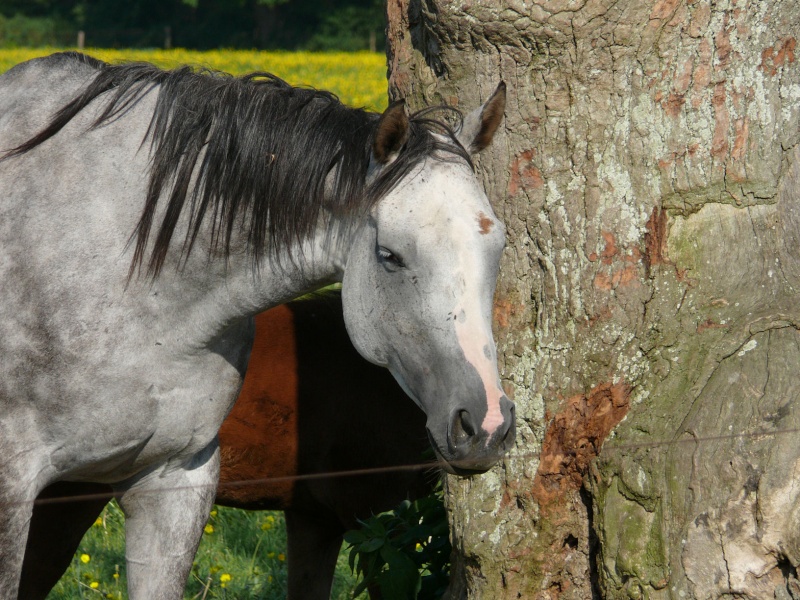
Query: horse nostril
(466, 423)
(462, 429)
(510, 436)
(511, 431)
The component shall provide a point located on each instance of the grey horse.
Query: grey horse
(147, 215)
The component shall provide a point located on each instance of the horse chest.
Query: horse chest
(147, 398)
(166, 417)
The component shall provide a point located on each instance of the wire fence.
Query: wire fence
(210, 580)
(607, 448)
(158, 37)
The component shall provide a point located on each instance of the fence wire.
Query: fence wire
(606, 448)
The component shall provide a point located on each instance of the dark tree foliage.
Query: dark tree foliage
(205, 24)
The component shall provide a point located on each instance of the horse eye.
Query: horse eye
(389, 258)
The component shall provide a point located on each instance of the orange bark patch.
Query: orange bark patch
(524, 174)
(701, 77)
(485, 223)
(611, 247)
(574, 438)
(674, 104)
(701, 16)
(741, 132)
(503, 310)
(774, 57)
(723, 43)
(709, 324)
(655, 239)
(663, 9)
(611, 281)
(603, 314)
(719, 143)
(612, 278)
(684, 77)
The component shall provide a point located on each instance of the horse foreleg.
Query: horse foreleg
(313, 547)
(62, 514)
(165, 511)
(16, 505)
(15, 514)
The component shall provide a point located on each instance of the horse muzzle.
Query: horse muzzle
(468, 449)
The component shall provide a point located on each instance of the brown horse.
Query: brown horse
(309, 405)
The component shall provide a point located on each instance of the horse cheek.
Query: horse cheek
(363, 301)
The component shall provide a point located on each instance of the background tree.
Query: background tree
(198, 24)
(648, 177)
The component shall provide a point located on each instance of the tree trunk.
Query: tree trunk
(646, 308)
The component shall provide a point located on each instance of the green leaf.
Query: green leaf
(354, 537)
(401, 581)
(372, 544)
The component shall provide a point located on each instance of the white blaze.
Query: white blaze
(473, 342)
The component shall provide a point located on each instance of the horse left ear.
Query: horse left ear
(480, 125)
(391, 134)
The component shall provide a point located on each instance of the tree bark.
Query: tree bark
(646, 309)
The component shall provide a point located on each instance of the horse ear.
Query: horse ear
(479, 126)
(391, 133)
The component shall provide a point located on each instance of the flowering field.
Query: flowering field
(358, 78)
(242, 554)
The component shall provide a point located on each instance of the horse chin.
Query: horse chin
(467, 470)
(460, 467)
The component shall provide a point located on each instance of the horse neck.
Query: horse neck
(219, 293)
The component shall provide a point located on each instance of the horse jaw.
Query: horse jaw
(427, 317)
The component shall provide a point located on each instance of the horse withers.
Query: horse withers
(147, 215)
(311, 415)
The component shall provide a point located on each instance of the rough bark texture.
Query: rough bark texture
(648, 174)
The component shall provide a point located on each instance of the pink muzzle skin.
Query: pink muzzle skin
(472, 345)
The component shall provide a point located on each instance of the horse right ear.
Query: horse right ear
(479, 127)
(391, 133)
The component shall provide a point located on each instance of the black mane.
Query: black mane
(250, 153)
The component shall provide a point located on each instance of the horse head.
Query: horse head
(418, 288)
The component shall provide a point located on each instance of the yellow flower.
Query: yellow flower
(115, 575)
(281, 557)
(94, 585)
(209, 528)
(213, 513)
(224, 578)
(266, 526)
(85, 558)
(270, 555)
(418, 547)
(270, 519)
(98, 521)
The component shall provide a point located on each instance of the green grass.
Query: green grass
(242, 556)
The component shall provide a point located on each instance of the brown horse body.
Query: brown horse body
(309, 405)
